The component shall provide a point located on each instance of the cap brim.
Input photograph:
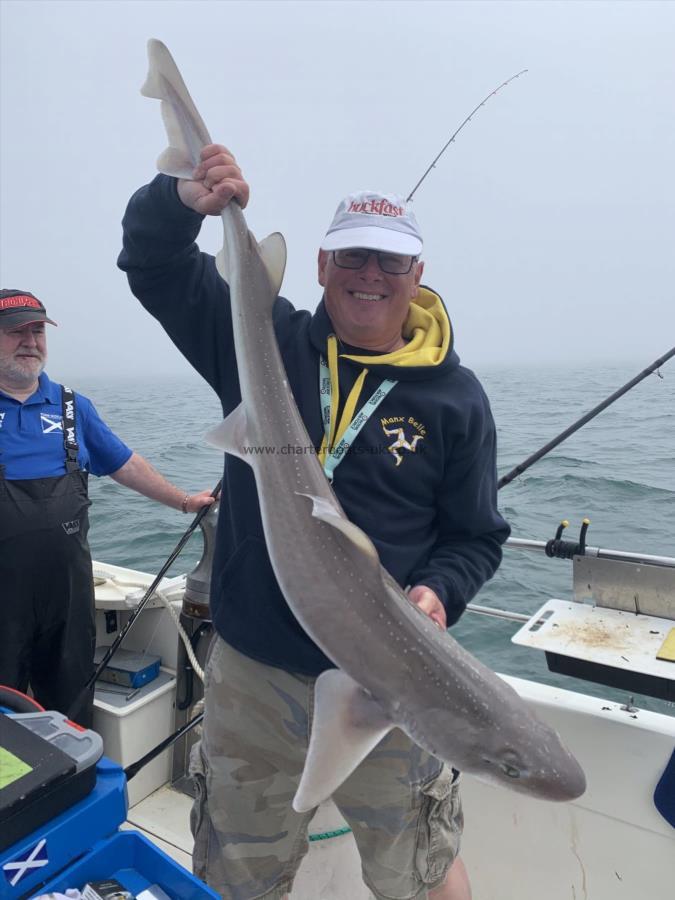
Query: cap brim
(373, 239)
(22, 318)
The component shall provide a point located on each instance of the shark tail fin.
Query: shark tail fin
(164, 82)
(347, 725)
(231, 435)
(176, 162)
(158, 56)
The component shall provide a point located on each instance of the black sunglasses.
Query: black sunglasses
(357, 257)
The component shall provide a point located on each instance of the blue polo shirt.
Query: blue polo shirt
(31, 436)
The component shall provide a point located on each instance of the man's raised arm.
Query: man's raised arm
(174, 281)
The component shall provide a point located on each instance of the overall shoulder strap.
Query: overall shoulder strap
(69, 433)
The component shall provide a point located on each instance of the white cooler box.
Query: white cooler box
(132, 722)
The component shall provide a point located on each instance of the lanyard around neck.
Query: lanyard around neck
(338, 440)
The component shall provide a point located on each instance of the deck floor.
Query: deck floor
(330, 871)
(164, 818)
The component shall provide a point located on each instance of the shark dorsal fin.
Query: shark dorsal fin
(327, 512)
(273, 254)
(346, 726)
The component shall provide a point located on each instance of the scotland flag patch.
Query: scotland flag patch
(50, 422)
(25, 863)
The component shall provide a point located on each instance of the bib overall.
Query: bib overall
(47, 630)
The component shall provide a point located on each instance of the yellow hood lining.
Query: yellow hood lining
(427, 330)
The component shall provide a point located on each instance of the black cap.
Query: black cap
(20, 308)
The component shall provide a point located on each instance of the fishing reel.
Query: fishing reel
(198, 584)
(559, 549)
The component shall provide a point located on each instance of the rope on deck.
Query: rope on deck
(326, 835)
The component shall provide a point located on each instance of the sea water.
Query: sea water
(618, 471)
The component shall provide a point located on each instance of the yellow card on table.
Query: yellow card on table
(667, 649)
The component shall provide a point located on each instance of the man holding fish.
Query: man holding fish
(413, 466)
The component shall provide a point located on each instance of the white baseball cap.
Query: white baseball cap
(374, 221)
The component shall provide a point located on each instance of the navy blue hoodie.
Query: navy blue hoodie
(430, 507)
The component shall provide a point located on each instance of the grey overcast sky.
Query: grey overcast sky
(549, 225)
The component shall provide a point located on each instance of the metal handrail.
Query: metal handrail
(540, 547)
(498, 613)
(619, 555)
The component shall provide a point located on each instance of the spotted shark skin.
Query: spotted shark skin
(395, 667)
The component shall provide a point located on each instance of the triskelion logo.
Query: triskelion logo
(397, 426)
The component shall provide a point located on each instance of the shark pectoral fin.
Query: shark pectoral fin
(273, 253)
(326, 511)
(347, 725)
(231, 435)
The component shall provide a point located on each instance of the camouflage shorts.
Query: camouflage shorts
(401, 804)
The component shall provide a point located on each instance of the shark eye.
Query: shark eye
(511, 771)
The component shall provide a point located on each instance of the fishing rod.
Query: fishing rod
(465, 122)
(146, 597)
(523, 466)
(136, 767)
(519, 469)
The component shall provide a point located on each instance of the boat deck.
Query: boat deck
(330, 871)
(611, 844)
(164, 818)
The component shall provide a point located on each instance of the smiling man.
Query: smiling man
(50, 440)
(369, 288)
(406, 437)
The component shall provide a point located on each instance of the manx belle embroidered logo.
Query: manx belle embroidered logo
(71, 527)
(400, 427)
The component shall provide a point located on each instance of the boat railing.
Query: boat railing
(599, 552)
(617, 627)
(620, 579)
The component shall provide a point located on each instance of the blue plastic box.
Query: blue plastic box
(84, 844)
(55, 844)
(128, 668)
(136, 863)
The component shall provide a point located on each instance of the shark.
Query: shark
(394, 667)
